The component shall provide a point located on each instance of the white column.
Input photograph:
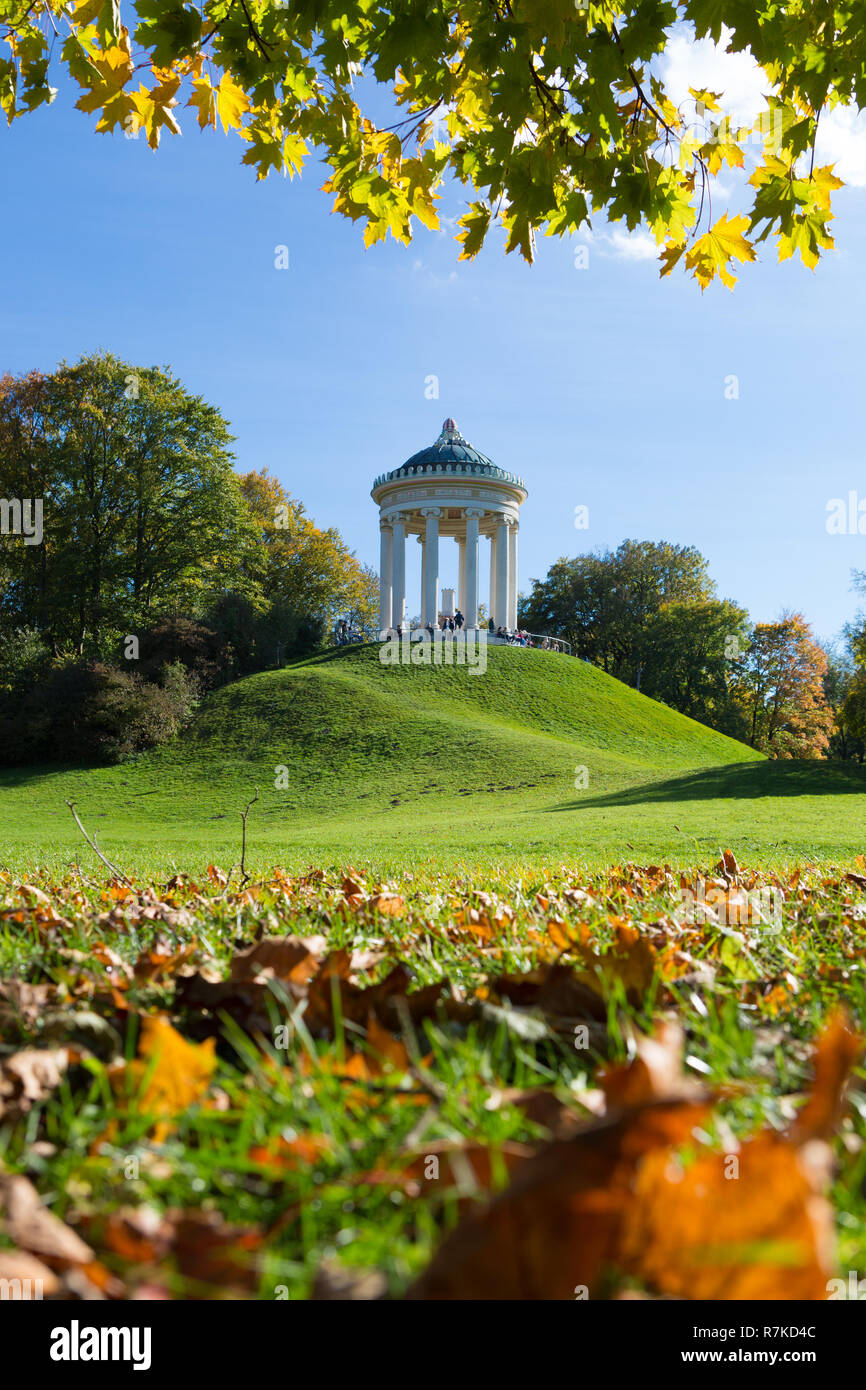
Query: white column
(398, 571)
(431, 572)
(501, 614)
(420, 540)
(512, 575)
(491, 612)
(461, 575)
(385, 576)
(471, 578)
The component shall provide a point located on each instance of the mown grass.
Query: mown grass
(430, 768)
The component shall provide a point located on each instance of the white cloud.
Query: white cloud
(842, 141)
(702, 63)
(431, 277)
(633, 246)
(687, 63)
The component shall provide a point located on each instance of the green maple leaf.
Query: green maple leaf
(265, 152)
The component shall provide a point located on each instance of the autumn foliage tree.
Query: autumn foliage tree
(297, 566)
(781, 688)
(545, 111)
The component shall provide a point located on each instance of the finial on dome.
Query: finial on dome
(450, 433)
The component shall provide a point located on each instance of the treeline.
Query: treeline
(846, 685)
(138, 568)
(649, 614)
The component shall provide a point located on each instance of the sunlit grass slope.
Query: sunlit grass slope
(399, 766)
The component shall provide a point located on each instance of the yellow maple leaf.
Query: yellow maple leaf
(151, 113)
(724, 149)
(670, 256)
(115, 66)
(723, 243)
(824, 183)
(204, 100)
(86, 11)
(709, 100)
(231, 102)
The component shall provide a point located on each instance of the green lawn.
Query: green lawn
(414, 767)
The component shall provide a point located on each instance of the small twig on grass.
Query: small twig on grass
(244, 875)
(435, 1090)
(118, 873)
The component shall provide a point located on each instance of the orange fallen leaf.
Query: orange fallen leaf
(170, 1073)
(838, 1050)
(750, 1225)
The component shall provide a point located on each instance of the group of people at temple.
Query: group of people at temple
(346, 634)
(517, 638)
(447, 624)
(514, 636)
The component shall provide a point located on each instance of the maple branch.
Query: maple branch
(260, 43)
(544, 91)
(642, 96)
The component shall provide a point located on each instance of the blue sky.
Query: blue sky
(603, 386)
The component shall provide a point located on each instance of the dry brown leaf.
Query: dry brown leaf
(287, 1155)
(293, 958)
(556, 991)
(728, 865)
(30, 1076)
(213, 1254)
(557, 1226)
(21, 1004)
(750, 1225)
(654, 1073)
(169, 1075)
(444, 1166)
(387, 904)
(631, 960)
(617, 1196)
(32, 1227)
(27, 1270)
(335, 1283)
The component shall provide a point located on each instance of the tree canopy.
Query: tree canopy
(143, 515)
(545, 111)
(142, 507)
(782, 689)
(648, 613)
(602, 603)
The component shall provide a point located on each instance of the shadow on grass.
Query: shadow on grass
(737, 782)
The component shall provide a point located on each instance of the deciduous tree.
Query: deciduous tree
(601, 603)
(142, 509)
(300, 568)
(782, 688)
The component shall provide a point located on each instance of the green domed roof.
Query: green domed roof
(450, 454)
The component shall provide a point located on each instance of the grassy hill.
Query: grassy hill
(402, 766)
